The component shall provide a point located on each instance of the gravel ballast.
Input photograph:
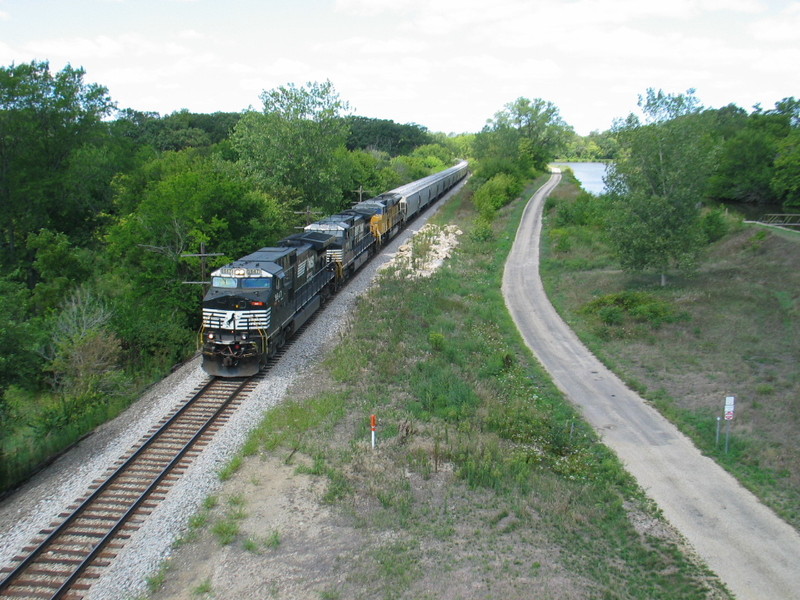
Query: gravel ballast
(36, 504)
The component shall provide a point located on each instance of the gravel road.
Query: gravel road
(756, 554)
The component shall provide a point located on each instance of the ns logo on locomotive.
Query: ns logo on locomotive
(258, 301)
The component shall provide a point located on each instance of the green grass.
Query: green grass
(482, 468)
(37, 427)
(156, 580)
(273, 539)
(203, 588)
(226, 530)
(731, 327)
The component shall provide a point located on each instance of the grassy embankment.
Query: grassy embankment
(45, 425)
(486, 483)
(731, 328)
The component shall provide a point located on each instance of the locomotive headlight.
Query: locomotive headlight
(211, 336)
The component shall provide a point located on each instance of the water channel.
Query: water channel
(590, 175)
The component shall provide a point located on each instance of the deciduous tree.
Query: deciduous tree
(290, 148)
(525, 136)
(184, 199)
(786, 179)
(47, 120)
(657, 183)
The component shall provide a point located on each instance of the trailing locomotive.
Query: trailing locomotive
(257, 302)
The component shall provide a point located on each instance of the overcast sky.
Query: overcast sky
(446, 64)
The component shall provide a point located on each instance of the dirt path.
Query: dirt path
(754, 552)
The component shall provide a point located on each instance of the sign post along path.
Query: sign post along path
(729, 409)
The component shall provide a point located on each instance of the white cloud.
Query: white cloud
(447, 64)
(369, 46)
(103, 47)
(376, 7)
(191, 34)
(779, 28)
(742, 6)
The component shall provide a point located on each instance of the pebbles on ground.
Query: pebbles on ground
(36, 504)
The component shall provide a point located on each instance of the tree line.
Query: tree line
(101, 206)
(679, 161)
(102, 209)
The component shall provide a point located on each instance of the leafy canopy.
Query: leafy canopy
(48, 123)
(657, 183)
(522, 138)
(290, 148)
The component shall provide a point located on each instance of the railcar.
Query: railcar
(257, 302)
(352, 241)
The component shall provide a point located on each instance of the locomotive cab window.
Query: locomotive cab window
(235, 282)
(223, 282)
(257, 282)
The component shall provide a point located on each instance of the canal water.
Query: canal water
(590, 175)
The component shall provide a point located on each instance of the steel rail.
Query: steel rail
(111, 479)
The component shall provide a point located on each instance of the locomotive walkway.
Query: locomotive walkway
(756, 554)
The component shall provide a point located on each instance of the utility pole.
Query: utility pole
(203, 255)
(309, 213)
(360, 191)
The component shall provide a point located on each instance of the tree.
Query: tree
(747, 159)
(19, 337)
(786, 179)
(525, 136)
(59, 268)
(657, 183)
(83, 352)
(653, 233)
(177, 202)
(745, 169)
(385, 135)
(177, 131)
(47, 122)
(290, 148)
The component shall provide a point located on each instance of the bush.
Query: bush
(714, 224)
(496, 193)
(436, 340)
(638, 307)
(611, 315)
(483, 230)
(583, 211)
(560, 239)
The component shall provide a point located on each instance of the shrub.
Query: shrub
(714, 224)
(638, 307)
(560, 239)
(496, 193)
(583, 211)
(436, 340)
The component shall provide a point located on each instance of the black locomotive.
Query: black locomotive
(258, 301)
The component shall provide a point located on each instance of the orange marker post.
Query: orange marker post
(374, 423)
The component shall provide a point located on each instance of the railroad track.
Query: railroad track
(64, 559)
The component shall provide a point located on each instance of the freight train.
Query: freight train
(257, 302)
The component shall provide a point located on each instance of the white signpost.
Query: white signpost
(730, 402)
(729, 406)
